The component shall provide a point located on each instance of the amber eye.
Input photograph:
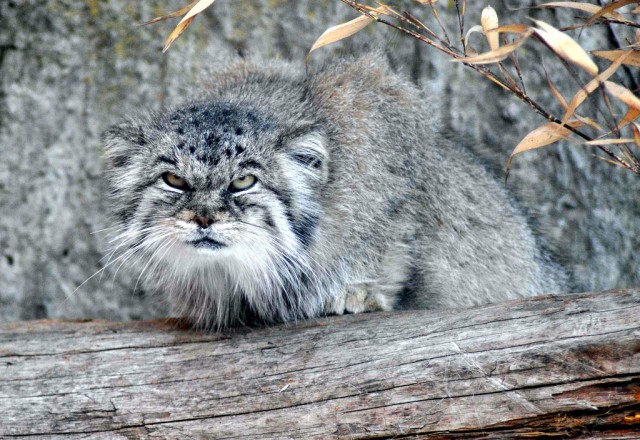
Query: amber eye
(175, 181)
(243, 183)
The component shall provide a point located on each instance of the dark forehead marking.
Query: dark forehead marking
(226, 117)
(251, 164)
(166, 159)
(213, 130)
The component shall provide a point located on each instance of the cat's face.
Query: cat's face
(213, 185)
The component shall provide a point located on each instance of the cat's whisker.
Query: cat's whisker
(139, 249)
(167, 245)
(104, 230)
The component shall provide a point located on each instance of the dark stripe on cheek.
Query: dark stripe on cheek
(282, 196)
(268, 218)
(305, 229)
(244, 205)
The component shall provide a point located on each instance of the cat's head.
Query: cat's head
(217, 185)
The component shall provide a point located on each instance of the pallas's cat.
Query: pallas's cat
(277, 195)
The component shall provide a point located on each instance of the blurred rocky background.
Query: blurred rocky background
(70, 68)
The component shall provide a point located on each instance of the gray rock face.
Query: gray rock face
(69, 69)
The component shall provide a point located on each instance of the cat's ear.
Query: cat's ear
(121, 142)
(308, 155)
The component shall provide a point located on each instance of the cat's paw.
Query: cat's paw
(360, 298)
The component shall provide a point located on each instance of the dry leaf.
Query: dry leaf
(489, 20)
(427, 2)
(623, 94)
(612, 162)
(609, 141)
(200, 6)
(542, 136)
(631, 115)
(588, 121)
(633, 59)
(175, 14)
(636, 10)
(179, 29)
(591, 86)
(593, 9)
(565, 47)
(636, 133)
(342, 31)
(495, 56)
(557, 94)
(609, 9)
(474, 29)
(382, 9)
(511, 28)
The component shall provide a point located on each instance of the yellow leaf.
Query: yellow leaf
(179, 29)
(495, 56)
(200, 6)
(632, 115)
(565, 47)
(623, 94)
(609, 141)
(557, 94)
(636, 133)
(542, 136)
(489, 20)
(588, 121)
(175, 14)
(342, 31)
(591, 86)
(593, 9)
(609, 9)
(511, 28)
(633, 59)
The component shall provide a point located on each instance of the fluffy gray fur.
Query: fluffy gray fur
(360, 202)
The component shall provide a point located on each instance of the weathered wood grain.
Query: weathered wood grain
(554, 366)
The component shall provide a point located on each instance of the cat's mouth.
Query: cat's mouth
(207, 243)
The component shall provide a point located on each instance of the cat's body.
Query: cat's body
(277, 195)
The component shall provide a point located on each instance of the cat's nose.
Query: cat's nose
(203, 222)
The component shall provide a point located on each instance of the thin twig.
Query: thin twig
(616, 39)
(512, 88)
(461, 15)
(444, 30)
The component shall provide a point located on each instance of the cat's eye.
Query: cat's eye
(175, 181)
(243, 183)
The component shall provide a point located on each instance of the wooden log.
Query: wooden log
(554, 366)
